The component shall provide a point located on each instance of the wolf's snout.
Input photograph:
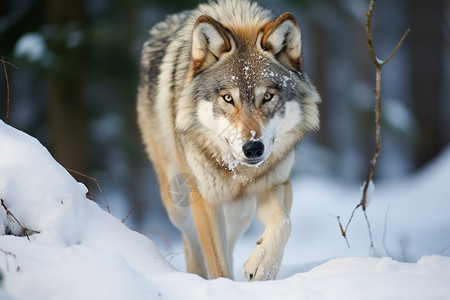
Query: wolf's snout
(253, 149)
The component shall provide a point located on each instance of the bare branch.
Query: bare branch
(396, 47)
(369, 16)
(133, 208)
(378, 67)
(24, 229)
(378, 64)
(97, 183)
(8, 63)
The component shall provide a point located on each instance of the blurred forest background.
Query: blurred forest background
(77, 75)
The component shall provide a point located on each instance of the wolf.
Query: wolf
(222, 103)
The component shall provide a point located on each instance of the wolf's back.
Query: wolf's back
(156, 48)
(164, 63)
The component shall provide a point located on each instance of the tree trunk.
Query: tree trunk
(427, 63)
(67, 113)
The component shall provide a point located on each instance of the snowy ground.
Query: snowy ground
(82, 252)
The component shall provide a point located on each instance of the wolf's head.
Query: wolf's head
(246, 89)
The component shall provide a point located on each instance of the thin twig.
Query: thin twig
(351, 216)
(133, 208)
(172, 255)
(24, 229)
(369, 230)
(443, 250)
(8, 63)
(369, 16)
(4, 62)
(376, 62)
(396, 47)
(7, 253)
(385, 232)
(343, 232)
(97, 182)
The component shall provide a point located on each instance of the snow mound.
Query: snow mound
(82, 252)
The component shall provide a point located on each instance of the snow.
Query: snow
(82, 252)
(397, 115)
(32, 46)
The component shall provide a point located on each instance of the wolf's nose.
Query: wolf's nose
(253, 149)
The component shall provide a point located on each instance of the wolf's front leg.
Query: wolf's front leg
(210, 224)
(273, 210)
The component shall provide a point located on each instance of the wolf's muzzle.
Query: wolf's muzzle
(253, 150)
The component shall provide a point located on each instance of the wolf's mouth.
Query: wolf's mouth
(253, 161)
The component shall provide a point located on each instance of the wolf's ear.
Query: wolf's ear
(283, 38)
(210, 40)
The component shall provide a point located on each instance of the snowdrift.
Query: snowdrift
(82, 252)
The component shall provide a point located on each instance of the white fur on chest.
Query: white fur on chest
(220, 188)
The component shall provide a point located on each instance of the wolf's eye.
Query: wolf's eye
(267, 97)
(228, 98)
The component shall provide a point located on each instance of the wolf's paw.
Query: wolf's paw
(263, 264)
